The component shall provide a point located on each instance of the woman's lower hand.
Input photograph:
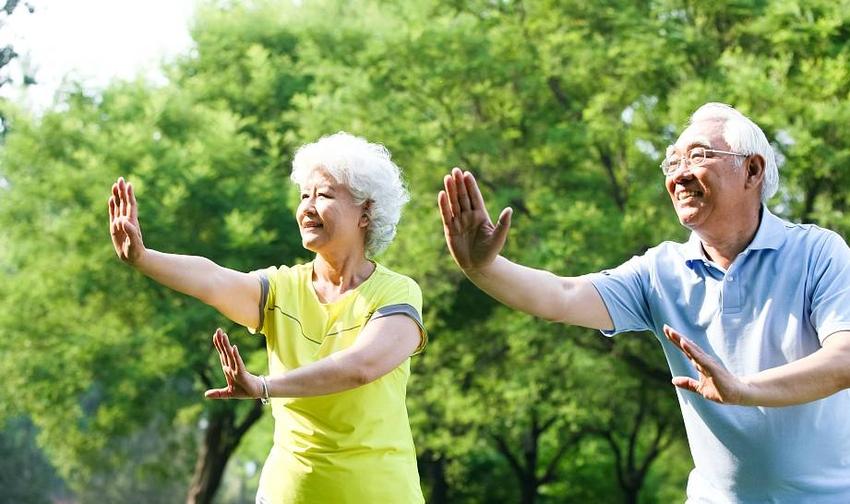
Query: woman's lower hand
(240, 383)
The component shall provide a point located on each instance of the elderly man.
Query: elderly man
(755, 313)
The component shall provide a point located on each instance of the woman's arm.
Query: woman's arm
(235, 294)
(381, 347)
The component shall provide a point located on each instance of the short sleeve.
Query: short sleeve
(830, 302)
(267, 279)
(623, 290)
(403, 298)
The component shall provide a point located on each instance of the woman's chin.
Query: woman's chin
(310, 244)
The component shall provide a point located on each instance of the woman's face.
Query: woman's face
(328, 218)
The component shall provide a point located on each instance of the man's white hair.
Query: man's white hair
(745, 137)
(368, 172)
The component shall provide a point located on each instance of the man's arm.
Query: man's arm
(813, 377)
(381, 347)
(571, 300)
(475, 243)
(235, 294)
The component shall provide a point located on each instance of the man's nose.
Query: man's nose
(682, 171)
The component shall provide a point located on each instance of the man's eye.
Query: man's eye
(673, 162)
(304, 196)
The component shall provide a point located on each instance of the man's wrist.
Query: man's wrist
(480, 272)
(747, 393)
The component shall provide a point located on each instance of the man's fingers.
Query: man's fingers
(677, 339)
(445, 209)
(462, 194)
(686, 383)
(451, 191)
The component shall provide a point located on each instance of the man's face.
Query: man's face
(711, 196)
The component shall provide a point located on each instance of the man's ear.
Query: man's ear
(754, 166)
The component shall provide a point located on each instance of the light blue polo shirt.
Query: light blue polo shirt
(779, 300)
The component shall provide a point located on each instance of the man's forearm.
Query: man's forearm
(814, 377)
(543, 294)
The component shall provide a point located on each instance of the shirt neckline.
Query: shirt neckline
(347, 294)
(769, 236)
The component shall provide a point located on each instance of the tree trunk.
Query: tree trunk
(631, 492)
(221, 438)
(529, 490)
(434, 472)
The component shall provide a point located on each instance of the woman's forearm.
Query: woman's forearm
(235, 294)
(330, 375)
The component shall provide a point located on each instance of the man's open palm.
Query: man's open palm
(473, 240)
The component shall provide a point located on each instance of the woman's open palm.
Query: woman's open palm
(124, 222)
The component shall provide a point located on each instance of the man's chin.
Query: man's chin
(687, 217)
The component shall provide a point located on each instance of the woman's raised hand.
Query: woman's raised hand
(473, 240)
(124, 222)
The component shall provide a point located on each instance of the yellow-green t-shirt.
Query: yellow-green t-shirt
(353, 446)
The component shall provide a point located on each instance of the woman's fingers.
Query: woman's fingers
(220, 393)
(134, 212)
(217, 345)
(476, 201)
(238, 357)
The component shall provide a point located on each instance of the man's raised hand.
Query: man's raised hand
(473, 240)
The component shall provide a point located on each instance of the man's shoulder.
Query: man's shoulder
(666, 251)
(811, 235)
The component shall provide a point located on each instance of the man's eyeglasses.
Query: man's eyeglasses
(694, 157)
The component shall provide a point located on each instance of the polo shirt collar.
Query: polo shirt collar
(770, 235)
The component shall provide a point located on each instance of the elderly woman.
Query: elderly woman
(340, 329)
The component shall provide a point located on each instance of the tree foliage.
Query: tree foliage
(561, 108)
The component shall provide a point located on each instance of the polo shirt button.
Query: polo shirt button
(730, 278)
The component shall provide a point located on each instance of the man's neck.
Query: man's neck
(724, 245)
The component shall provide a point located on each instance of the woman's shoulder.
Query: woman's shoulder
(389, 277)
(284, 273)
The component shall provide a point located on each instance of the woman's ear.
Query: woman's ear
(364, 216)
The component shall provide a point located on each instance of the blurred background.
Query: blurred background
(562, 109)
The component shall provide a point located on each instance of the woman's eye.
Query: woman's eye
(304, 196)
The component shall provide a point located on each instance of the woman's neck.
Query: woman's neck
(334, 276)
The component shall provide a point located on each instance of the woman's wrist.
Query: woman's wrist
(264, 390)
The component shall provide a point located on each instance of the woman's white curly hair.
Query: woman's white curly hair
(368, 172)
